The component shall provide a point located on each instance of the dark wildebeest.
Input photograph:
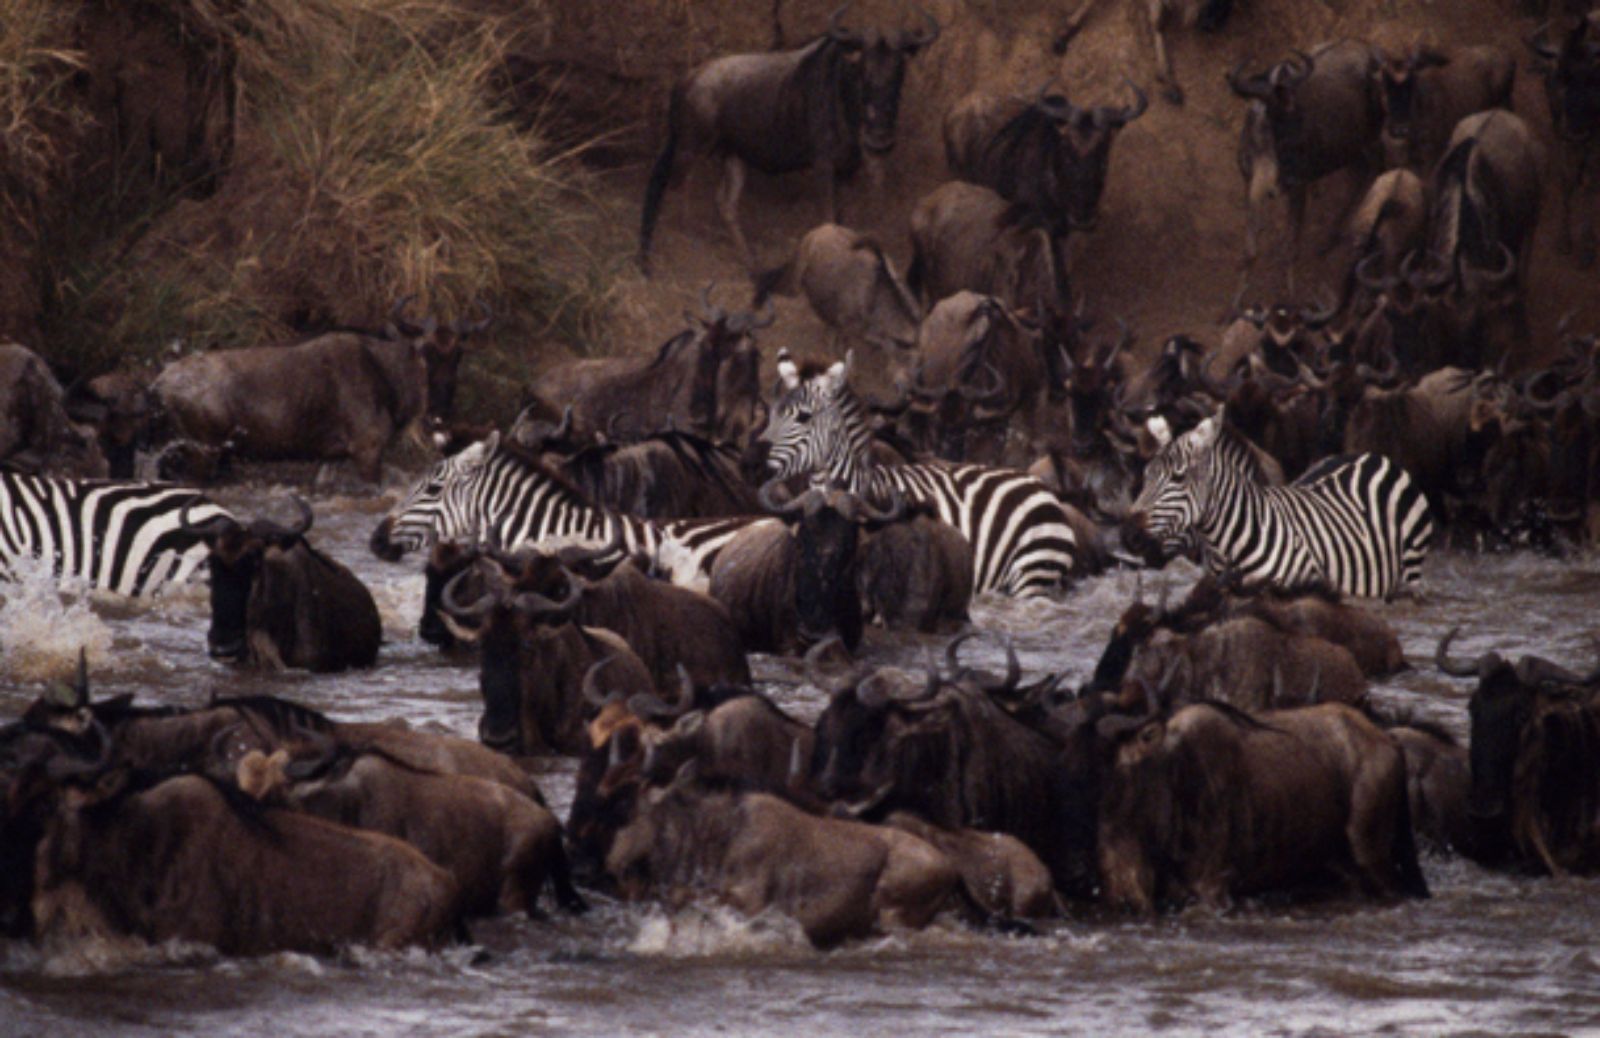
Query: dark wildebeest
(852, 287)
(1320, 115)
(838, 879)
(704, 379)
(1572, 89)
(948, 752)
(189, 858)
(1390, 224)
(1046, 157)
(340, 395)
(500, 846)
(666, 475)
(915, 574)
(36, 434)
(1486, 197)
(1209, 803)
(278, 602)
(665, 625)
(1535, 780)
(822, 105)
(788, 587)
(1425, 92)
(534, 657)
(1001, 874)
(123, 413)
(1438, 782)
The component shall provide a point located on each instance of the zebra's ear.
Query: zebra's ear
(1159, 430)
(788, 370)
(1205, 434)
(839, 372)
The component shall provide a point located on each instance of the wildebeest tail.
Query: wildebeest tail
(660, 175)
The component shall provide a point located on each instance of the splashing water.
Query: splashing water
(43, 624)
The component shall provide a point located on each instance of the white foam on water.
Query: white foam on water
(43, 625)
(699, 931)
(102, 956)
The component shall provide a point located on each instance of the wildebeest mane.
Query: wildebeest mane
(283, 716)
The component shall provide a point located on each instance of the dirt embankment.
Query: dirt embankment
(1166, 255)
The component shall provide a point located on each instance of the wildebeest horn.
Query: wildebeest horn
(1141, 101)
(952, 651)
(210, 528)
(1539, 45)
(63, 767)
(871, 801)
(651, 707)
(1245, 86)
(532, 603)
(1315, 320)
(1536, 669)
(768, 496)
(836, 29)
(685, 689)
(924, 36)
(746, 323)
(1455, 668)
(1507, 269)
(1295, 76)
(397, 316)
(453, 606)
(992, 393)
(591, 683)
(464, 328)
(1431, 276)
(893, 514)
(1366, 278)
(299, 529)
(812, 659)
(1013, 672)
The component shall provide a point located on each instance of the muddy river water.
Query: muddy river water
(1489, 954)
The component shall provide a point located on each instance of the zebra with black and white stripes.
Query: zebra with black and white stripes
(1358, 525)
(1021, 537)
(493, 491)
(118, 536)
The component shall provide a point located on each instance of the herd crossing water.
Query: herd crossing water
(1488, 954)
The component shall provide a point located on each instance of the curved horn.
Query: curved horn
(893, 514)
(1243, 85)
(532, 603)
(836, 29)
(952, 651)
(768, 496)
(210, 528)
(685, 689)
(1507, 269)
(1455, 668)
(397, 316)
(993, 393)
(1367, 280)
(453, 606)
(1013, 672)
(811, 661)
(1141, 101)
(591, 682)
(1295, 76)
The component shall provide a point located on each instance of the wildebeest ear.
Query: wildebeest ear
(690, 722)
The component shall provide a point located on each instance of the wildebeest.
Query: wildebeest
(1209, 803)
(946, 751)
(852, 287)
(534, 657)
(36, 433)
(189, 858)
(339, 395)
(838, 879)
(915, 574)
(1001, 874)
(823, 105)
(123, 413)
(705, 380)
(1426, 91)
(1438, 781)
(278, 602)
(667, 475)
(788, 587)
(962, 240)
(500, 846)
(1535, 797)
(1319, 115)
(1486, 197)
(1047, 157)
(1572, 89)
(1390, 224)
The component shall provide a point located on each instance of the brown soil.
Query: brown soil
(1166, 254)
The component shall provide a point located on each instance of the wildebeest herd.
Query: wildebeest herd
(614, 555)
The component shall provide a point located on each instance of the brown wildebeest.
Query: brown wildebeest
(852, 286)
(1426, 91)
(1571, 72)
(1210, 803)
(824, 105)
(1001, 874)
(278, 602)
(339, 395)
(36, 433)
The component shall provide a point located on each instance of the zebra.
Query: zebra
(1357, 524)
(497, 492)
(126, 537)
(1021, 534)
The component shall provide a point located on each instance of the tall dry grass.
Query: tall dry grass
(371, 163)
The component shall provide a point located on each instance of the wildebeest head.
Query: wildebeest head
(441, 349)
(1278, 91)
(1084, 153)
(1397, 79)
(1571, 72)
(879, 63)
(827, 530)
(447, 559)
(237, 553)
(865, 731)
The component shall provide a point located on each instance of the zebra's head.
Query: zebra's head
(1176, 483)
(811, 421)
(414, 522)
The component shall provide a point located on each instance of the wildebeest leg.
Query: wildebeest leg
(728, 193)
(1156, 11)
(1297, 218)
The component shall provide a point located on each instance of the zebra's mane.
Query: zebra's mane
(1238, 450)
